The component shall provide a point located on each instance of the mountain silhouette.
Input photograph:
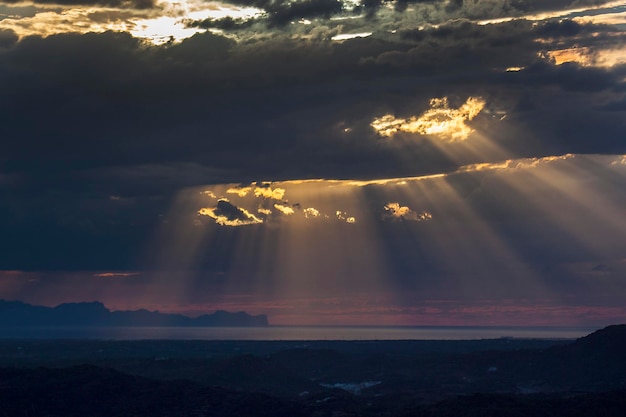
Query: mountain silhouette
(18, 314)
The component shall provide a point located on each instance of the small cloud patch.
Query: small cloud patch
(394, 211)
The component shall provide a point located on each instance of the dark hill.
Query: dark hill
(96, 392)
(608, 342)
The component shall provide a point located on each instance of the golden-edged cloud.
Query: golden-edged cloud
(227, 214)
(440, 120)
(513, 163)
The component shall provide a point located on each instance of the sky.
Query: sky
(324, 162)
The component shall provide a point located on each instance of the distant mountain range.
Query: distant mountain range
(17, 314)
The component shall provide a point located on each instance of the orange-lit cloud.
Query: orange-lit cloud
(240, 191)
(440, 120)
(513, 163)
(284, 209)
(589, 57)
(263, 190)
(269, 193)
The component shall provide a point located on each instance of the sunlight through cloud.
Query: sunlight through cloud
(440, 120)
(227, 214)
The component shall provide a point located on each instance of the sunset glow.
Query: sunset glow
(322, 162)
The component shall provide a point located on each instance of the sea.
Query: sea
(296, 333)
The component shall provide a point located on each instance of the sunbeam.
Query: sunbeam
(407, 240)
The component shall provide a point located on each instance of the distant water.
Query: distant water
(293, 333)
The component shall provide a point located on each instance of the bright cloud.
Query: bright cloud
(347, 36)
(165, 23)
(588, 57)
(440, 120)
(240, 191)
(268, 192)
(284, 209)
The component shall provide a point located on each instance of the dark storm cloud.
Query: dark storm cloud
(228, 213)
(488, 9)
(224, 23)
(218, 95)
(281, 12)
(99, 131)
(130, 4)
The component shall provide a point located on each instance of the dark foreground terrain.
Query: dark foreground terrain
(503, 377)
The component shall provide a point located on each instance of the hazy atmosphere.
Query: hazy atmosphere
(413, 162)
